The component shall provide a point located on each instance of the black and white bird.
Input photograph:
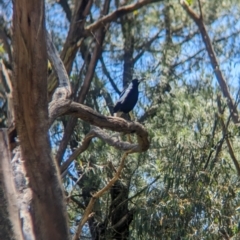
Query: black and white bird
(127, 99)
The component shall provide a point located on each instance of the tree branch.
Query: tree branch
(63, 107)
(64, 89)
(145, 46)
(116, 14)
(97, 132)
(74, 39)
(66, 8)
(214, 62)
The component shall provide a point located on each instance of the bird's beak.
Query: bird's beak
(142, 79)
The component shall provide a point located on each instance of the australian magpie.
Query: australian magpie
(127, 99)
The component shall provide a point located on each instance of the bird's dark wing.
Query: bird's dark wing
(117, 107)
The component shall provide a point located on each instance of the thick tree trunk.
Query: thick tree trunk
(31, 114)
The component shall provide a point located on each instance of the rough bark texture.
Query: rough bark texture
(9, 217)
(23, 193)
(30, 101)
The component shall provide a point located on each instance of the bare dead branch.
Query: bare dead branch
(214, 62)
(200, 9)
(145, 46)
(77, 152)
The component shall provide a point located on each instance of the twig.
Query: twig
(77, 152)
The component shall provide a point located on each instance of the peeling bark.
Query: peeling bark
(10, 226)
